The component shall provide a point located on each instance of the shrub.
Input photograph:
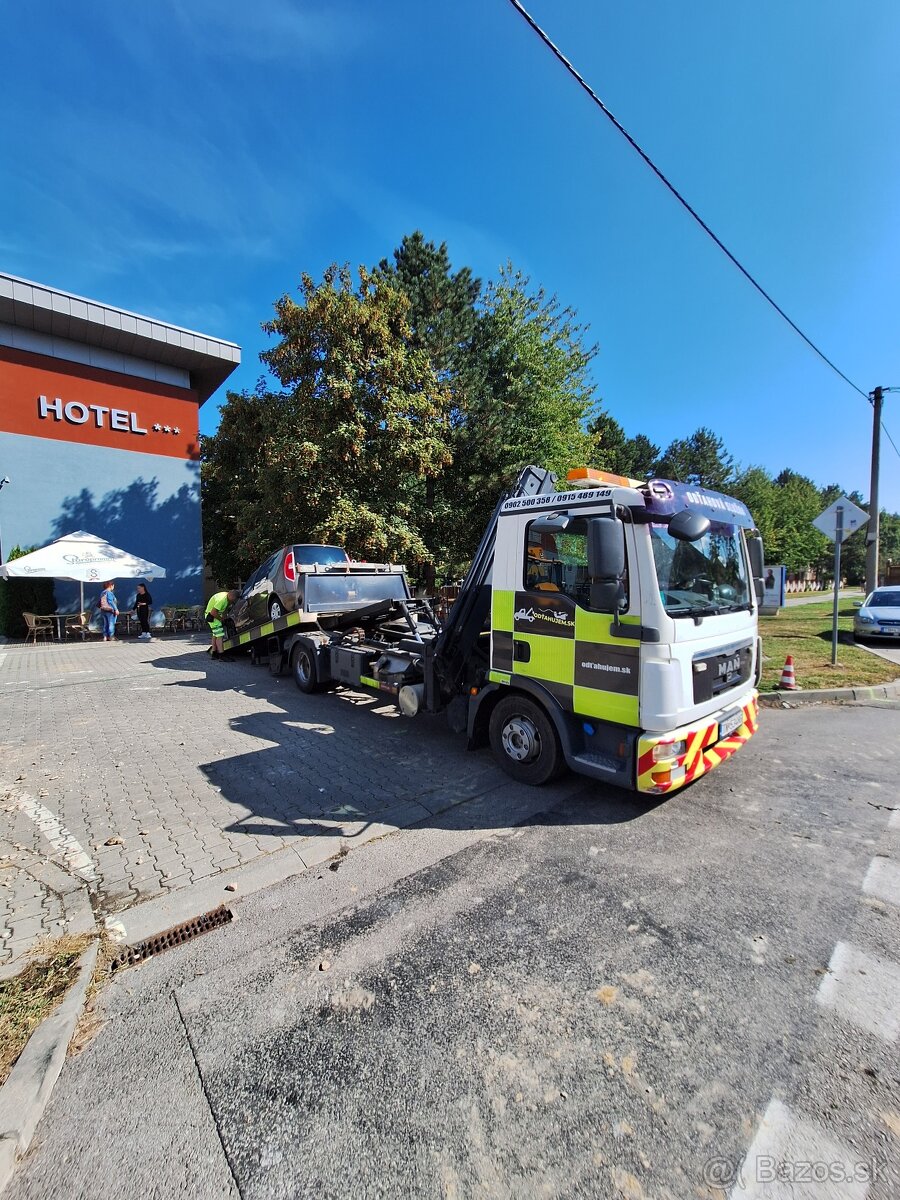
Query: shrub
(23, 595)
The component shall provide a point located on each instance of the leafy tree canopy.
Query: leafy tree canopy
(331, 457)
(529, 402)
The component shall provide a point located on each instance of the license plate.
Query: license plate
(730, 723)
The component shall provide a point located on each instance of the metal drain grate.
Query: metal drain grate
(176, 936)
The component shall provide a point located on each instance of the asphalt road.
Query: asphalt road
(884, 648)
(615, 999)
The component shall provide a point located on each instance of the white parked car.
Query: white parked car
(878, 616)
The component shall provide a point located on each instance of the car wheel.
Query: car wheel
(524, 741)
(303, 667)
(276, 609)
(230, 631)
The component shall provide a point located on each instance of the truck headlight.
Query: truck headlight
(663, 751)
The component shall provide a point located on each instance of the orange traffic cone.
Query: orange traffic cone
(788, 682)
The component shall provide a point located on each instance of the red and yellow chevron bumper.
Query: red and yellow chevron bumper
(664, 764)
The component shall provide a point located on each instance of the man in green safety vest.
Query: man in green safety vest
(215, 611)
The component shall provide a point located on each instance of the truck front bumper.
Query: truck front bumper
(669, 761)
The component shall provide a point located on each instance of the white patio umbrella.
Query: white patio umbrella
(83, 557)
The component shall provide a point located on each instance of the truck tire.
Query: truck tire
(303, 668)
(524, 741)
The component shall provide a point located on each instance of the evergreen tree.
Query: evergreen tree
(700, 459)
(442, 318)
(530, 401)
(612, 450)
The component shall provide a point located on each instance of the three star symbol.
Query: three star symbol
(166, 429)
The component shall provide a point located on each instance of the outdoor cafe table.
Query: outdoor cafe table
(59, 618)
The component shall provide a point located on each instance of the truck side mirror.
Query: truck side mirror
(755, 550)
(757, 566)
(606, 562)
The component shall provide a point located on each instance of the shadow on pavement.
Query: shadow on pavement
(337, 764)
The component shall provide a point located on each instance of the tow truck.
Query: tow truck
(608, 627)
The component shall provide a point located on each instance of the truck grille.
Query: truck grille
(715, 674)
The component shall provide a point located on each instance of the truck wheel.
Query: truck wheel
(303, 666)
(524, 741)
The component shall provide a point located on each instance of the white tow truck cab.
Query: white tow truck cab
(632, 607)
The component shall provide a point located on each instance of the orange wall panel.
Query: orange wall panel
(69, 402)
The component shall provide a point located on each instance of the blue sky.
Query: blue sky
(189, 158)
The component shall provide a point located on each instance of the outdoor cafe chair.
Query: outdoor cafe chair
(175, 618)
(77, 625)
(38, 627)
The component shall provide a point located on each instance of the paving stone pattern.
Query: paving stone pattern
(29, 908)
(189, 767)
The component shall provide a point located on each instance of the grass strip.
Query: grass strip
(804, 632)
(31, 995)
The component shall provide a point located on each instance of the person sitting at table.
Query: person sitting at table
(142, 603)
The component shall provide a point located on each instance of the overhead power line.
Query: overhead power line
(523, 12)
(890, 439)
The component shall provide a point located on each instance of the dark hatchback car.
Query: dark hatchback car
(317, 581)
(271, 591)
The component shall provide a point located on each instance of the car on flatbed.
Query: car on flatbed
(315, 581)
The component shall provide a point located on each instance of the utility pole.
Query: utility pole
(877, 398)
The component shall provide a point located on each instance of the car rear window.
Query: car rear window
(342, 592)
(307, 555)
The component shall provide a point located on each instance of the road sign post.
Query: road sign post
(839, 537)
(837, 522)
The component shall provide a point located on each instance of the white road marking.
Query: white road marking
(894, 822)
(2, 659)
(883, 880)
(77, 859)
(863, 989)
(791, 1159)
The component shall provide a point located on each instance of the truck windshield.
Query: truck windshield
(704, 577)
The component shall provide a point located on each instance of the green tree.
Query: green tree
(888, 541)
(756, 487)
(700, 459)
(612, 450)
(797, 543)
(442, 318)
(530, 401)
(442, 312)
(334, 455)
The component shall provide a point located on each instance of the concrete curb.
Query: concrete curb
(787, 699)
(24, 1096)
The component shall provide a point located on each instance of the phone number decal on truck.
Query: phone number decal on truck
(560, 500)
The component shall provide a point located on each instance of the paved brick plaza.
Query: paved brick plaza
(190, 768)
